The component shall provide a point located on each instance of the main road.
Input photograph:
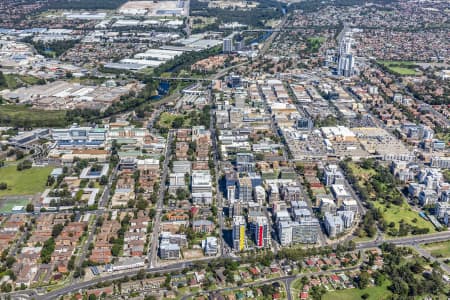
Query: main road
(404, 241)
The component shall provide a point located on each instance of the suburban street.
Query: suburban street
(153, 249)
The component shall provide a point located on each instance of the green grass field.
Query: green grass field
(394, 213)
(201, 22)
(361, 173)
(166, 120)
(443, 136)
(397, 213)
(6, 206)
(20, 115)
(403, 68)
(26, 182)
(14, 81)
(375, 293)
(313, 43)
(441, 249)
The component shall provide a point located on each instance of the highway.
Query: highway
(410, 240)
(426, 254)
(404, 241)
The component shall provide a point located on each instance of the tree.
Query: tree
(71, 263)
(47, 250)
(19, 155)
(79, 271)
(6, 287)
(115, 250)
(50, 180)
(30, 207)
(141, 274)
(92, 297)
(142, 204)
(177, 122)
(103, 180)
(182, 194)
(3, 82)
(27, 164)
(57, 230)
(10, 260)
(167, 281)
(363, 280)
(3, 185)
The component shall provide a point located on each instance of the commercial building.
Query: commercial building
(79, 137)
(29, 136)
(210, 246)
(168, 250)
(170, 245)
(201, 182)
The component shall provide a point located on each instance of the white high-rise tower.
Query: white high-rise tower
(346, 62)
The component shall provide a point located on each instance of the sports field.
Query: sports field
(403, 68)
(26, 182)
